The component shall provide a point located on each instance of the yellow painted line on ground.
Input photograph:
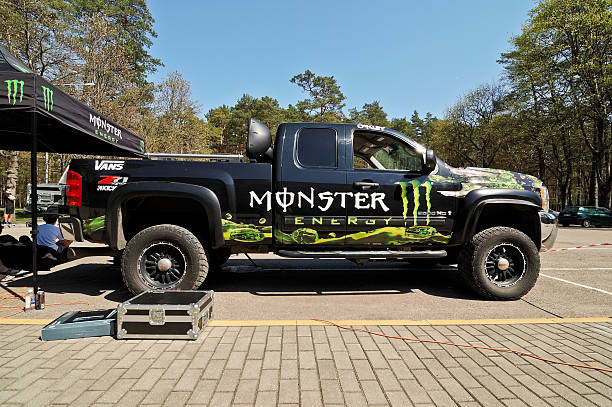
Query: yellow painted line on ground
(354, 322)
(24, 321)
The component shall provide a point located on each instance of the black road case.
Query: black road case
(156, 314)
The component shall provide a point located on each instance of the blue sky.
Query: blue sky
(408, 54)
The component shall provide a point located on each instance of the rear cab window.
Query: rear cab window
(317, 148)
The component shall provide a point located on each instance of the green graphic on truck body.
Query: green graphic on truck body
(243, 232)
(93, 225)
(386, 236)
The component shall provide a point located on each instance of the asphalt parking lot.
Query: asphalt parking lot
(572, 284)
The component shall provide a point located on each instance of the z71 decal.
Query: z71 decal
(109, 183)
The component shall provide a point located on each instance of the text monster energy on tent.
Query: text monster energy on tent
(65, 125)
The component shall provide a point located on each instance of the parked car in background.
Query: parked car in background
(587, 216)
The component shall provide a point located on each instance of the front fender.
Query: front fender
(473, 205)
(204, 196)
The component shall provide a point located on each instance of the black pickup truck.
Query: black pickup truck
(351, 191)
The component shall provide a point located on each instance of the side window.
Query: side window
(317, 148)
(360, 162)
(384, 153)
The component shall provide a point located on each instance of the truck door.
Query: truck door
(308, 198)
(394, 203)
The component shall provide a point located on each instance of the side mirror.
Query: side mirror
(259, 139)
(430, 161)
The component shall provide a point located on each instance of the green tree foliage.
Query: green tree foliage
(133, 27)
(232, 121)
(422, 128)
(325, 100)
(39, 33)
(175, 126)
(561, 73)
(476, 126)
(370, 113)
(219, 118)
(402, 125)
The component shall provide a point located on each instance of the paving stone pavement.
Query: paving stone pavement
(311, 366)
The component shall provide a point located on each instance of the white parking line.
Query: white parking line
(577, 284)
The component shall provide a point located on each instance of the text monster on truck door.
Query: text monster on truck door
(310, 196)
(396, 203)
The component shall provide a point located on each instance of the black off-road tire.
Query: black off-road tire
(184, 247)
(473, 257)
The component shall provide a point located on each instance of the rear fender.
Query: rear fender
(205, 197)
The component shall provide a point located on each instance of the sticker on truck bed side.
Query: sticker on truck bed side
(109, 183)
(109, 165)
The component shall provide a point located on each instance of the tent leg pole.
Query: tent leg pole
(34, 195)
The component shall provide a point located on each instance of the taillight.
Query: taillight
(73, 180)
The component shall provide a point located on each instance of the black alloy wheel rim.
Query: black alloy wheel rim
(505, 265)
(162, 265)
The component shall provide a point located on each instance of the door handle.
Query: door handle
(364, 185)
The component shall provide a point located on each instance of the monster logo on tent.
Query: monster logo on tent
(12, 90)
(415, 191)
(48, 98)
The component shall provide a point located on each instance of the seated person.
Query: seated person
(51, 241)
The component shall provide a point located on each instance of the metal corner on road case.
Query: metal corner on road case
(159, 314)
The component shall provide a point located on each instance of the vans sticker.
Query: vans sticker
(109, 165)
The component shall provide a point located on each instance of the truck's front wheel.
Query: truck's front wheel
(500, 263)
(166, 257)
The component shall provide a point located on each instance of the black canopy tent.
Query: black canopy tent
(36, 116)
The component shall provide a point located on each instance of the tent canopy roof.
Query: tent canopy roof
(64, 124)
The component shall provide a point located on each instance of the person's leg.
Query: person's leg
(5, 272)
(47, 253)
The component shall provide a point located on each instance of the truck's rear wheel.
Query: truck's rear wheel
(500, 263)
(166, 257)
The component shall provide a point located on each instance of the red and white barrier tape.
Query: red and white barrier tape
(574, 248)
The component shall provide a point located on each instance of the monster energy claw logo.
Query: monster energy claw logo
(12, 90)
(47, 98)
(416, 195)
